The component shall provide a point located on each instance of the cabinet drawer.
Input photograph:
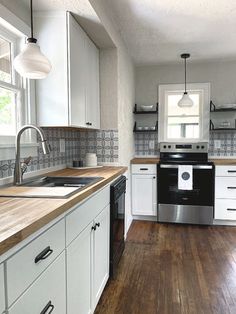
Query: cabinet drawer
(225, 171)
(225, 187)
(48, 289)
(78, 219)
(28, 261)
(144, 169)
(225, 209)
(2, 293)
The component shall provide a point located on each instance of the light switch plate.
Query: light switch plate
(217, 144)
(151, 144)
(62, 145)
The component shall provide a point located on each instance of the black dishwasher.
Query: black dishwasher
(117, 223)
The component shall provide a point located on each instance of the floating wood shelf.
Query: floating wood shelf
(136, 111)
(214, 109)
(135, 130)
(212, 128)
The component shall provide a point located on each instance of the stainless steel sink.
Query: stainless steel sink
(79, 183)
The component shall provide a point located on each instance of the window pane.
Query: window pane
(183, 122)
(7, 112)
(5, 61)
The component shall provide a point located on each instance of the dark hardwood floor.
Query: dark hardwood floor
(171, 269)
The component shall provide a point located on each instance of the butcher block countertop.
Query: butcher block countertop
(156, 160)
(21, 217)
(223, 162)
(145, 160)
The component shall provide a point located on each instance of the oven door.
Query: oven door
(202, 193)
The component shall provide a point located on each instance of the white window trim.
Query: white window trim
(9, 21)
(204, 111)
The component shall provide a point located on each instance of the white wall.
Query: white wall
(125, 94)
(109, 88)
(221, 75)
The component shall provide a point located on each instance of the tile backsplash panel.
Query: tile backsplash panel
(228, 144)
(78, 143)
(227, 149)
(142, 144)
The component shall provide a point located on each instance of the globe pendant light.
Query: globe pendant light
(185, 101)
(31, 63)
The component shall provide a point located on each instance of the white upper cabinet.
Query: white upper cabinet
(92, 86)
(69, 96)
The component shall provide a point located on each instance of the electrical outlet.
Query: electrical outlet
(62, 145)
(217, 144)
(151, 144)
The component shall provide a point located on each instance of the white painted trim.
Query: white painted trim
(204, 110)
(7, 151)
(13, 23)
(218, 222)
(146, 218)
(31, 174)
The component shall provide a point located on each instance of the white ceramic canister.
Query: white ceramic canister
(91, 160)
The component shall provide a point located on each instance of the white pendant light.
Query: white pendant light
(31, 63)
(185, 101)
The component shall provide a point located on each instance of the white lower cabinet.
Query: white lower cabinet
(79, 273)
(144, 194)
(2, 292)
(225, 193)
(101, 254)
(88, 265)
(47, 294)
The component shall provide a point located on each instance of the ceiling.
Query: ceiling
(158, 31)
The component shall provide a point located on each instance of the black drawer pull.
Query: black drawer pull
(231, 187)
(47, 307)
(231, 171)
(143, 169)
(231, 209)
(43, 255)
(97, 224)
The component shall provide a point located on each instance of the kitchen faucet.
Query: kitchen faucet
(20, 168)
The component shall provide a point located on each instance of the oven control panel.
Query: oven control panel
(201, 147)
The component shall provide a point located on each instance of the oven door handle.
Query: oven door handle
(163, 166)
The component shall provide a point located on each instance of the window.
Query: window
(183, 124)
(11, 92)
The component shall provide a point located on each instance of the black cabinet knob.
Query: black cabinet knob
(97, 224)
(94, 228)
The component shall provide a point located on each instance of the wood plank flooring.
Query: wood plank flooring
(174, 269)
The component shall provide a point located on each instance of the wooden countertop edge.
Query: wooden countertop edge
(21, 235)
(153, 160)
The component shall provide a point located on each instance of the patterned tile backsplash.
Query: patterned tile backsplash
(78, 143)
(227, 139)
(142, 144)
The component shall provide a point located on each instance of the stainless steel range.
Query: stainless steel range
(186, 184)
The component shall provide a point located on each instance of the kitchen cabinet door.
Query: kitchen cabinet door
(47, 294)
(79, 273)
(2, 292)
(77, 64)
(144, 195)
(92, 86)
(100, 253)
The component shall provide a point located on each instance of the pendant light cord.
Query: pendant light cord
(185, 75)
(31, 13)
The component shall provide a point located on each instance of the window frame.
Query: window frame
(204, 111)
(14, 29)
